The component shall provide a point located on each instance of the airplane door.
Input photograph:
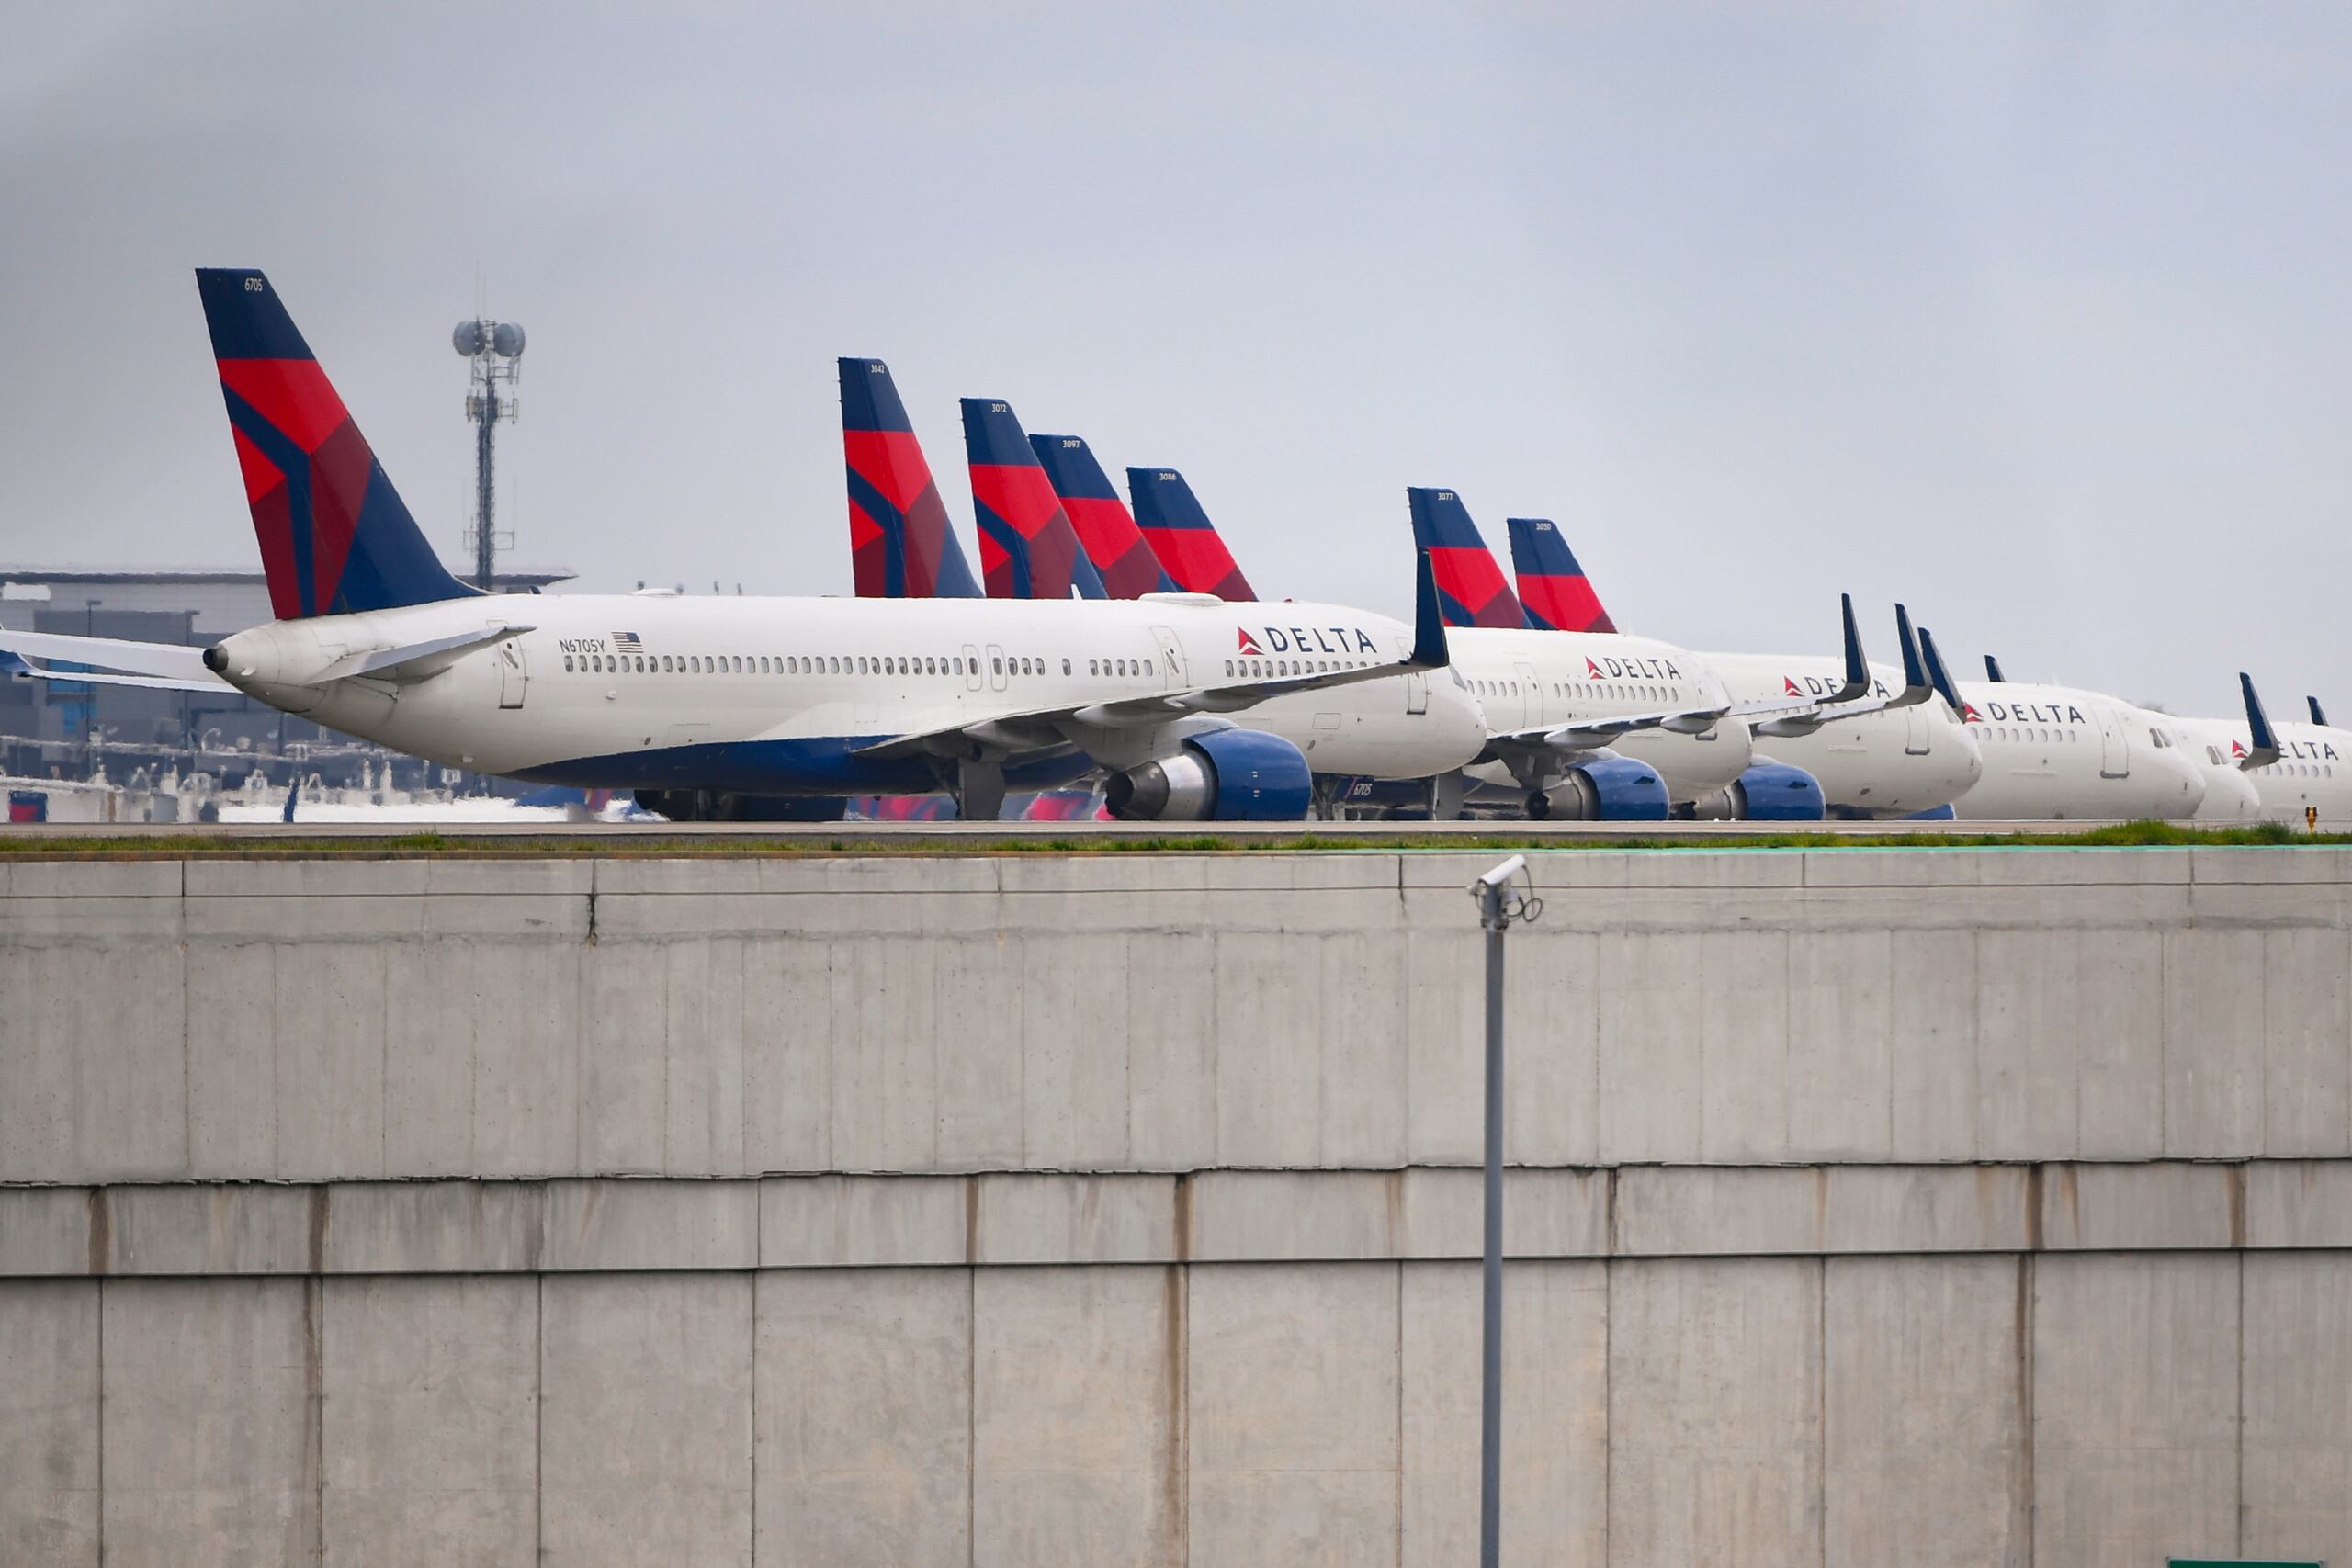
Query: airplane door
(971, 668)
(1530, 696)
(1171, 659)
(1915, 731)
(1417, 694)
(513, 676)
(2114, 756)
(996, 668)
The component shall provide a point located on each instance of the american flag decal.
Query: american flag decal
(628, 642)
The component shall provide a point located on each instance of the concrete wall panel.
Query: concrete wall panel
(211, 1415)
(865, 1410)
(2298, 1457)
(1073, 1075)
(1840, 990)
(2307, 1041)
(1555, 1412)
(1293, 1413)
(885, 1068)
(1078, 1391)
(980, 1001)
(2135, 1408)
(1653, 1026)
(1171, 990)
(2119, 1021)
(429, 1442)
(1924, 1436)
(787, 1055)
(1746, 1068)
(1715, 1412)
(49, 1422)
(434, 990)
(624, 1062)
(645, 1424)
(703, 1059)
(232, 1110)
(1932, 1022)
(1445, 1024)
(1269, 1052)
(2214, 1045)
(1551, 1045)
(2028, 1040)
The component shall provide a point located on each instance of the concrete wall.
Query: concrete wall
(1954, 1209)
(1876, 1383)
(337, 1019)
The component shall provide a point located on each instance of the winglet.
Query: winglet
(2319, 713)
(1429, 651)
(1858, 669)
(1936, 674)
(2264, 750)
(1993, 671)
(1916, 688)
(1914, 672)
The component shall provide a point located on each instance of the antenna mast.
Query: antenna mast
(496, 352)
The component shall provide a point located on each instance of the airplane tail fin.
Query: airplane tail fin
(1993, 671)
(1028, 550)
(1553, 588)
(1470, 586)
(1105, 528)
(1181, 535)
(334, 535)
(901, 545)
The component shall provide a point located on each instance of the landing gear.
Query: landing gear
(1445, 796)
(979, 791)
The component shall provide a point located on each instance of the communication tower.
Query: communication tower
(496, 352)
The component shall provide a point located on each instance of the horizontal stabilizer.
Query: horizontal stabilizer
(165, 659)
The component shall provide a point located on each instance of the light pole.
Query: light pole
(1497, 907)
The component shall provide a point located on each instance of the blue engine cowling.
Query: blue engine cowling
(1767, 792)
(1603, 789)
(1220, 775)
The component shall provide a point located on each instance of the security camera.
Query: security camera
(1503, 873)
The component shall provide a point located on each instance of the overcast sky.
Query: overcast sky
(2034, 316)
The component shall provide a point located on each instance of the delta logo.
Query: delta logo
(2235, 749)
(1344, 641)
(1631, 669)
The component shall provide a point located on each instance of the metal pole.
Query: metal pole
(484, 545)
(1490, 1397)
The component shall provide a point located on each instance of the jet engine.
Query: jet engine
(1767, 792)
(1603, 789)
(1219, 775)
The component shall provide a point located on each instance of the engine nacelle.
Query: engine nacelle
(1767, 792)
(1605, 789)
(1219, 775)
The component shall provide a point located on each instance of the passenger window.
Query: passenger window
(567, 664)
(1066, 670)
(996, 665)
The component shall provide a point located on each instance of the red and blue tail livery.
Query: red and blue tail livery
(1553, 588)
(334, 535)
(1106, 530)
(1028, 550)
(1182, 538)
(1470, 587)
(900, 544)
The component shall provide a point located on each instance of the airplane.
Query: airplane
(714, 704)
(1867, 760)
(1407, 727)
(2291, 766)
(1576, 716)
(2061, 753)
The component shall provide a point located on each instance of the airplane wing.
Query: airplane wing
(172, 668)
(1042, 728)
(1591, 734)
(165, 661)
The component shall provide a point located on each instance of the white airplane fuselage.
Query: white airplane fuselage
(1887, 762)
(1526, 677)
(2062, 753)
(2313, 768)
(775, 695)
